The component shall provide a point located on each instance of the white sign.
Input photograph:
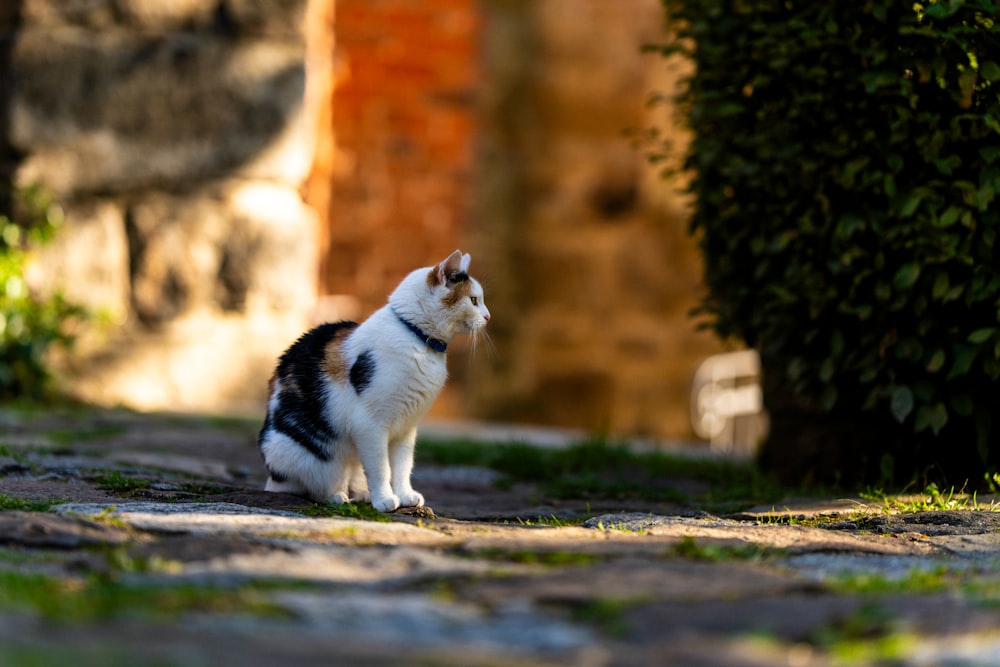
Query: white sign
(726, 388)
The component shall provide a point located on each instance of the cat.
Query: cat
(346, 398)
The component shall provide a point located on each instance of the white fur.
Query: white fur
(378, 428)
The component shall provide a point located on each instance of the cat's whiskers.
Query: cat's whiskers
(475, 337)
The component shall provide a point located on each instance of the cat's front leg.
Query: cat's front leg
(359, 485)
(401, 461)
(373, 450)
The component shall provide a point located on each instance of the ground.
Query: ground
(129, 537)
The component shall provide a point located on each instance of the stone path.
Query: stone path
(145, 538)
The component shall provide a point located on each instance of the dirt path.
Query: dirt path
(132, 537)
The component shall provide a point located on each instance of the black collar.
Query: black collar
(434, 343)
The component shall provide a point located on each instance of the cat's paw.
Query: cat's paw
(362, 497)
(411, 499)
(339, 498)
(386, 503)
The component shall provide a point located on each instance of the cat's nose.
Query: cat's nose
(486, 315)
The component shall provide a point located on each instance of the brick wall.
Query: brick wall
(403, 121)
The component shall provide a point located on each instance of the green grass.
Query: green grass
(608, 614)
(887, 649)
(22, 454)
(866, 636)
(17, 454)
(13, 504)
(106, 516)
(621, 527)
(597, 468)
(915, 581)
(65, 437)
(932, 499)
(362, 511)
(205, 488)
(116, 482)
(550, 521)
(118, 560)
(688, 547)
(33, 655)
(96, 598)
(982, 592)
(557, 558)
(125, 485)
(921, 581)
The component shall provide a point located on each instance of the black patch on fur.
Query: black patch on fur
(277, 476)
(301, 412)
(363, 371)
(456, 277)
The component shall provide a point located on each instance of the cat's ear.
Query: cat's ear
(448, 267)
(466, 260)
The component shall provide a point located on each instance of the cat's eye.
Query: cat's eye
(475, 300)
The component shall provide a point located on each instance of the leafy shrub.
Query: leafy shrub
(30, 324)
(846, 162)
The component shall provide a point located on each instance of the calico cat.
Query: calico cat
(345, 399)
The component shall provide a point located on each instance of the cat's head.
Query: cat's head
(460, 295)
(444, 298)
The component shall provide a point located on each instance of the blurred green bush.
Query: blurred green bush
(30, 323)
(846, 163)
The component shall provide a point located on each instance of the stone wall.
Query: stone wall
(173, 134)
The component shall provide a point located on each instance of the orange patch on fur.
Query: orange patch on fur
(459, 292)
(432, 278)
(334, 363)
